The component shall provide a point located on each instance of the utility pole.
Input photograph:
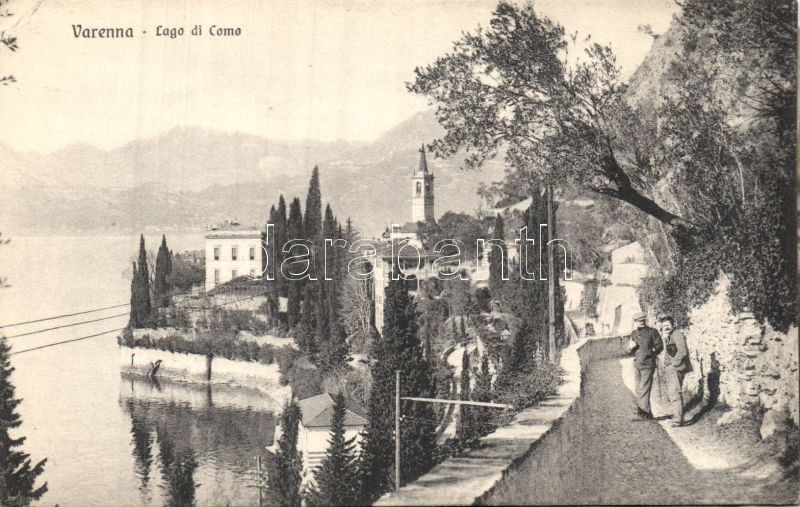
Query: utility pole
(397, 431)
(551, 277)
(258, 466)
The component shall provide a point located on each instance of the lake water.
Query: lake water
(108, 439)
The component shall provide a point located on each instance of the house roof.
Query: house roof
(317, 412)
(230, 229)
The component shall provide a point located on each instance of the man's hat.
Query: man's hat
(641, 316)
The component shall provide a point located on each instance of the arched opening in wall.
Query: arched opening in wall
(412, 282)
(419, 188)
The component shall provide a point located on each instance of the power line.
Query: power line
(66, 341)
(4, 326)
(96, 320)
(62, 316)
(68, 325)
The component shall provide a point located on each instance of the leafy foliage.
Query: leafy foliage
(726, 128)
(511, 88)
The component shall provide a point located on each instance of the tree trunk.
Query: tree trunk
(650, 207)
(625, 192)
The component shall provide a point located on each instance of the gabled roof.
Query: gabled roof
(317, 412)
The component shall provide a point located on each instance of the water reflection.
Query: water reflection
(177, 470)
(194, 443)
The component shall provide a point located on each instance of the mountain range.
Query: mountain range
(189, 177)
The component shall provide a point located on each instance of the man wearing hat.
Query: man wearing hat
(676, 365)
(646, 344)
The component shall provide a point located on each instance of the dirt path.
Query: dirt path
(598, 454)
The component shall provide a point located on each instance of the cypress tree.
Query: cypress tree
(498, 260)
(465, 428)
(285, 483)
(527, 299)
(141, 308)
(398, 349)
(482, 416)
(330, 331)
(312, 229)
(163, 269)
(294, 230)
(269, 239)
(337, 476)
(281, 235)
(312, 222)
(17, 475)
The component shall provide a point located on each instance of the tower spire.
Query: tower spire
(422, 191)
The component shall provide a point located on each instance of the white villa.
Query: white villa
(232, 250)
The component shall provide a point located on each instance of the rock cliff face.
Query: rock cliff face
(756, 365)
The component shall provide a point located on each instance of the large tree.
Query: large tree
(141, 307)
(336, 479)
(285, 482)
(498, 259)
(313, 324)
(163, 270)
(398, 349)
(465, 430)
(483, 392)
(355, 296)
(512, 88)
(294, 230)
(17, 474)
(330, 331)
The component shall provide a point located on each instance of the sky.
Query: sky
(304, 69)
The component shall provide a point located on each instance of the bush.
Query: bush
(285, 357)
(483, 297)
(523, 390)
(233, 349)
(305, 382)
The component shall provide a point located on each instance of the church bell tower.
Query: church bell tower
(422, 191)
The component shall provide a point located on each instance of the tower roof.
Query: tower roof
(423, 164)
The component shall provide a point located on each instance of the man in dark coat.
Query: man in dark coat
(646, 344)
(676, 366)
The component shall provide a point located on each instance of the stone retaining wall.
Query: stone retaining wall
(197, 368)
(748, 364)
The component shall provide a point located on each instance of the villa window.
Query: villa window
(252, 253)
(216, 253)
(234, 253)
(216, 276)
(234, 273)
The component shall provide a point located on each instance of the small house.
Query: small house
(315, 428)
